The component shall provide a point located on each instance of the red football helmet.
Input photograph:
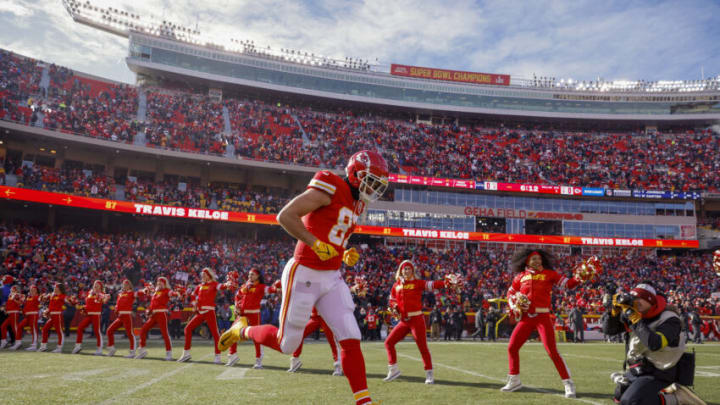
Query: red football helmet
(368, 172)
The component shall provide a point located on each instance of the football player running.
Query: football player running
(322, 219)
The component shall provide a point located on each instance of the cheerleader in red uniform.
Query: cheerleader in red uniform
(30, 312)
(406, 304)
(204, 302)
(124, 310)
(247, 304)
(94, 301)
(56, 300)
(316, 322)
(530, 298)
(158, 315)
(12, 309)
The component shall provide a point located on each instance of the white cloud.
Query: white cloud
(581, 39)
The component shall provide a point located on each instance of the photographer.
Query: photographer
(659, 368)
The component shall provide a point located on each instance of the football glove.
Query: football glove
(351, 257)
(324, 251)
(633, 316)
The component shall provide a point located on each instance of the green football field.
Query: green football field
(465, 373)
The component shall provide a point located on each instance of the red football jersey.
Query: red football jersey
(407, 296)
(538, 285)
(331, 224)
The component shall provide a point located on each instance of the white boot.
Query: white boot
(58, 349)
(258, 363)
(111, 351)
(295, 364)
(217, 360)
(43, 347)
(32, 347)
(3, 343)
(77, 348)
(569, 388)
(393, 372)
(17, 345)
(185, 356)
(337, 369)
(168, 355)
(429, 377)
(141, 353)
(513, 383)
(130, 355)
(98, 352)
(232, 359)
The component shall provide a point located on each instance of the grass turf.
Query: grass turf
(465, 373)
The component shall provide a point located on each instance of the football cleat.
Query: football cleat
(295, 364)
(393, 373)
(337, 369)
(141, 353)
(513, 383)
(77, 348)
(429, 377)
(185, 356)
(232, 359)
(569, 388)
(233, 335)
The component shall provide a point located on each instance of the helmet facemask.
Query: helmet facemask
(372, 186)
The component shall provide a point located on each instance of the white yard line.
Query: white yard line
(149, 383)
(498, 379)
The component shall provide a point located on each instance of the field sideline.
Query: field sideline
(465, 373)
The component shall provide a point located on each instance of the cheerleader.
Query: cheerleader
(12, 309)
(124, 310)
(94, 301)
(247, 304)
(157, 315)
(406, 305)
(30, 319)
(530, 298)
(55, 301)
(204, 303)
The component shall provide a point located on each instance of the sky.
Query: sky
(579, 39)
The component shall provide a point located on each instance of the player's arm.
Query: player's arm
(291, 214)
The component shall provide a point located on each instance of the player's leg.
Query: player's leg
(330, 338)
(336, 308)
(98, 334)
(311, 327)
(128, 326)
(196, 321)
(146, 329)
(162, 323)
(300, 287)
(46, 334)
(397, 334)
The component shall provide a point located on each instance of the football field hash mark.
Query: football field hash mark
(236, 373)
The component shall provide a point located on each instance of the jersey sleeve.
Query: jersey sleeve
(434, 285)
(393, 298)
(323, 181)
(564, 282)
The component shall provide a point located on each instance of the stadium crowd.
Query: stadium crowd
(77, 257)
(678, 161)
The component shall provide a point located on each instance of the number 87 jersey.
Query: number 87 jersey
(333, 223)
